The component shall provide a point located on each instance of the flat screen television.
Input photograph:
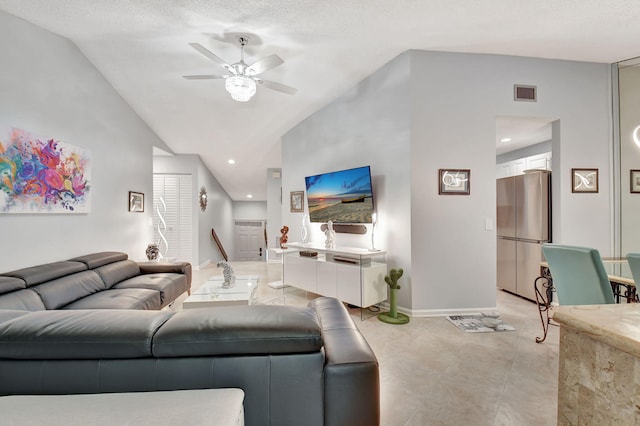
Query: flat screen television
(345, 196)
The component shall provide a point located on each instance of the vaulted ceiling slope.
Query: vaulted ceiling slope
(328, 46)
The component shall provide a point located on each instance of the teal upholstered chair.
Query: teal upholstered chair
(578, 275)
(634, 265)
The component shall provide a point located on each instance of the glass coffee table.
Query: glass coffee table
(211, 293)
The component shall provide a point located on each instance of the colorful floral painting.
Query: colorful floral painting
(42, 175)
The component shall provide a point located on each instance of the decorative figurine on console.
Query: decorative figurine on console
(227, 272)
(330, 234)
(284, 238)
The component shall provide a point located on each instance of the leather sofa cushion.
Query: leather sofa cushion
(126, 298)
(95, 260)
(9, 284)
(183, 268)
(170, 286)
(27, 300)
(115, 272)
(7, 314)
(62, 291)
(236, 330)
(91, 334)
(41, 273)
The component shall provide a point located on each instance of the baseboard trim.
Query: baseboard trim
(445, 312)
(202, 265)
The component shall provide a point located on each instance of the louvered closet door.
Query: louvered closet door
(177, 193)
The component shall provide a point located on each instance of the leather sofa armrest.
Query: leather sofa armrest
(352, 382)
(162, 267)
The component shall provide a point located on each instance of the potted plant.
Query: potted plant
(393, 316)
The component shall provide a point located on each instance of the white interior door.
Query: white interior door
(249, 241)
(176, 225)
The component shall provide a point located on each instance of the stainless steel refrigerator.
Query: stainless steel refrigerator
(523, 224)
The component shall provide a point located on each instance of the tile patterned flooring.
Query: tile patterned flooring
(431, 373)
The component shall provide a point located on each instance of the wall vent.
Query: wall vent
(275, 175)
(525, 93)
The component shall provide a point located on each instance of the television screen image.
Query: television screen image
(345, 196)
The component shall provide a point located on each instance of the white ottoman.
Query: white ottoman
(220, 407)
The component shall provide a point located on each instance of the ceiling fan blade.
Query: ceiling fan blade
(202, 77)
(264, 64)
(209, 54)
(277, 86)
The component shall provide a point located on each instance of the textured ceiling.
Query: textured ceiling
(141, 47)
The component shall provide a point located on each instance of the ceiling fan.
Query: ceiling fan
(241, 80)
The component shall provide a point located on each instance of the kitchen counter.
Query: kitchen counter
(599, 370)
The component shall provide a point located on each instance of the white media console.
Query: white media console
(353, 275)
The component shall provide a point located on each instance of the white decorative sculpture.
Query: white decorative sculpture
(330, 234)
(303, 230)
(162, 226)
(227, 272)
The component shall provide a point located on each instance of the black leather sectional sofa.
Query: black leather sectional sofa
(105, 280)
(296, 365)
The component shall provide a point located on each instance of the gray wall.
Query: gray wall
(219, 212)
(429, 110)
(49, 88)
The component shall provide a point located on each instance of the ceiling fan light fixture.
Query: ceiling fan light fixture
(240, 87)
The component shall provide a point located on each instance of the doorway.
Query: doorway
(249, 241)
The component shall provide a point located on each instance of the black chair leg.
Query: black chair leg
(543, 290)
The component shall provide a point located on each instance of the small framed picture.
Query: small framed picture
(635, 181)
(584, 180)
(297, 201)
(454, 181)
(136, 202)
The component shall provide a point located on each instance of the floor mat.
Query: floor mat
(479, 323)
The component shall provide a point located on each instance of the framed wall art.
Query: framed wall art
(454, 181)
(136, 202)
(297, 201)
(634, 175)
(42, 174)
(584, 180)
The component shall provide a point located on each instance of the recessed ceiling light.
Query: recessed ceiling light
(249, 196)
(505, 140)
(231, 161)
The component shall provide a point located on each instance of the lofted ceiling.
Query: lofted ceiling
(141, 47)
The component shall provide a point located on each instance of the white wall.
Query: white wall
(50, 89)
(539, 148)
(456, 98)
(449, 122)
(219, 212)
(250, 211)
(368, 125)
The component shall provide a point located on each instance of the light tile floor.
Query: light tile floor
(431, 373)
